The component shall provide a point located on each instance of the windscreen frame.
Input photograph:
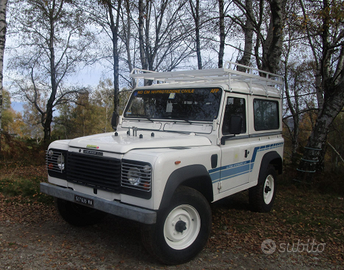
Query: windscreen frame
(188, 104)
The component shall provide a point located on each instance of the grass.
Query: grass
(24, 182)
(20, 186)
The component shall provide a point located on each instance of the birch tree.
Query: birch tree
(324, 28)
(195, 12)
(272, 45)
(163, 36)
(247, 27)
(114, 27)
(108, 16)
(222, 33)
(3, 25)
(265, 19)
(53, 44)
(128, 37)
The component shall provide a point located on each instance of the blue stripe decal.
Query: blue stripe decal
(240, 168)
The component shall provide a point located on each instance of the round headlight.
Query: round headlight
(134, 176)
(60, 162)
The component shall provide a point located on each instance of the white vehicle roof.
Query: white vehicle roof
(251, 81)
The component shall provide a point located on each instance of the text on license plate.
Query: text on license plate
(83, 200)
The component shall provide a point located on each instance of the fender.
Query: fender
(194, 176)
(270, 158)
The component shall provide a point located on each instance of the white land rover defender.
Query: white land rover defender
(191, 139)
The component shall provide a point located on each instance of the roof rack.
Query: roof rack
(227, 75)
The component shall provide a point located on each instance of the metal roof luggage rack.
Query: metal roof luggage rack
(228, 75)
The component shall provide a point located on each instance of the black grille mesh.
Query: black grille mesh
(97, 172)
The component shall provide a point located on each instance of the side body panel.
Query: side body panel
(248, 154)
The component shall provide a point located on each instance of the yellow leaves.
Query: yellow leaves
(333, 14)
(335, 11)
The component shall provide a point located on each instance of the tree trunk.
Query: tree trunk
(330, 78)
(144, 39)
(141, 36)
(195, 15)
(222, 33)
(314, 151)
(272, 47)
(114, 30)
(198, 40)
(46, 122)
(3, 25)
(248, 31)
(127, 31)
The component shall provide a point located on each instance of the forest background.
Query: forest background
(50, 43)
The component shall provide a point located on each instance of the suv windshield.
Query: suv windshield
(200, 104)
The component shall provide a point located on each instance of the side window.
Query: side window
(266, 114)
(234, 107)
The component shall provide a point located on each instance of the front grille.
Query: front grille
(93, 171)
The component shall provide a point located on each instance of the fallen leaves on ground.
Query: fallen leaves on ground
(301, 220)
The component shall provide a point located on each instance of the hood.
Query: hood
(123, 143)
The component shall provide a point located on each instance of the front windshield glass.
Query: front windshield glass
(200, 104)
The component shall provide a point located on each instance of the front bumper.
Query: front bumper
(112, 207)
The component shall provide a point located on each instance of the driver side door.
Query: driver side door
(235, 148)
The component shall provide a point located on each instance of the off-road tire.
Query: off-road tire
(182, 229)
(262, 196)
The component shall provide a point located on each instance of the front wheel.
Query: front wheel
(263, 195)
(182, 229)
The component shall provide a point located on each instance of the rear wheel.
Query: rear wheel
(263, 195)
(182, 229)
(78, 215)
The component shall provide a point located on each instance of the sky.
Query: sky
(17, 106)
(87, 77)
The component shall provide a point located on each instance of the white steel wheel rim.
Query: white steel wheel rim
(182, 226)
(269, 189)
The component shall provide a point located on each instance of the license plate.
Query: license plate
(83, 200)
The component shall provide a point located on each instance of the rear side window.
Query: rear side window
(266, 114)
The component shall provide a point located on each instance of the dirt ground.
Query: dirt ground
(39, 239)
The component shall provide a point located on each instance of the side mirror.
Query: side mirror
(235, 124)
(114, 120)
(234, 128)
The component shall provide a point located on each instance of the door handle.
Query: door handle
(246, 153)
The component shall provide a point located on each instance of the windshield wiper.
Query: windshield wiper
(148, 118)
(141, 116)
(183, 119)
